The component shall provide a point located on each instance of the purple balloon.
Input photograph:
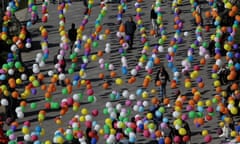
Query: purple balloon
(237, 55)
(34, 91)
(199, 79)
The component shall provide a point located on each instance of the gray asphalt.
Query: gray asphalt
(75, 15)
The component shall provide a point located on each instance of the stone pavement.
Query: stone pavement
(75, 15)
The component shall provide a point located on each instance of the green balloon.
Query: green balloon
(5, 66)
(34, 8)
(48, 99)
(18, 65)
(69, 137)
(162, 110)
(112, 96)
(9, 132)
(10, 64)
(70, 70)
(214, 100)
(105, 111)
(212, 114)
(95, 44)
(80, 96)
(35, 83)
(199, 114)
(73, 65)
(106, 129)
(33, 105)
(205, 44)
(54, 105)
(91, 99)
(64, 91)
(106, 65)
(192, 114)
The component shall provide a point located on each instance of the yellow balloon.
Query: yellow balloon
(81, 118)
(217, 83)
(204, 132)
(200, 103)
(89, 40)
(149, 116)
(119, 81)
(233, 134)
(18, 81)
(6, 93)
(144, 95)
(101, 132)
(83, 82)
(84, 111)
(48, 142)
(112, 131)
(32, 78)
(108, 121)
(208, 102)
(153, 91)
(221, 124)
(234, 110)
(182, 131)
(188, 84)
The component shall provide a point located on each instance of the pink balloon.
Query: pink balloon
(90, 92)
(27, 123)
(177, 139)
(146, 133)
(128, 102)
(88, 124)
(95, 112)
(70, 101)
(208, 138)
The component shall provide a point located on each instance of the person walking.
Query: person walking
(85, 3)
(130, 28)
(153, 16)
(72, 34)
(161, 80)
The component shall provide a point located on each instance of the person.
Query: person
(3, 138)
(130, 28)
(153, 16)
(85, 3)
(72, 34)
(162, 77)
(223, 73)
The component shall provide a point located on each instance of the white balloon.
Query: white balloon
(88, 117)
(20, 115)
(35, 66)
(125, 45)
(59, 57)
(133, 72)
(11, 72)
(56, 66)
(107, 49)
(4, 102)
(199, 38)
(176, 74)
(170, 49)
(108, 104)
(76, 50)
(123, 60)
(50, 73)
(39, 55)
(41, 64)
(113, 115)
(76, 97)
(61, 76)
(118, 107)
(132, 96)
(135, 107)
(27, 137)
(145, 103)
(101, 37)
(125, 93)
(185, 34)
(123, 114)
(110, 109)
(97, 127)
(118, 34)
(111, 67)
(160, 49)
(18, 109)
(36, 70)
(23, 76)
(140, 64)
(108, 45)
(28, 45)
(219, 62)
(14, 48)
(84, 37)
(101, 61)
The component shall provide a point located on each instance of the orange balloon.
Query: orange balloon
(202, 61)
(158, 133)
(43, 87)
(200, 121)
(121, 28)
(237, 138)
(107, 31)
(47, 95)
(173, 85)
(158, 83)
(67, 81)
(154, 100)
(105, 85)
(40, 76)
(23, 103)
(234, 86)
(15, 94)
(100, 53)
(15, 39)
(235, 9)
(191, 102)
(152, 32)
(113, 74)
(69, 88)
(101, 76)
(167, 140)
(194, 89)
(89, 86)
(201, 85)
(98, 29)
(53, 80)
(207, 14)
(237, 17)
(231, 13)
(166, 101)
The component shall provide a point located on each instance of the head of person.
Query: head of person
(130, 18)
(73, 25)
(152, 6)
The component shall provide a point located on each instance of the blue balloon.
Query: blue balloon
(200, 108)
(158, 114)
(237, 66)
(170, 65)
(141, 109)
(139, 92)
(161, 141)
(38, 129)
(190, 58)
(238, 128)
(93, 141)
(37, 142)
(132, 140)
(165, 120)
(124, 71)
(141, 126)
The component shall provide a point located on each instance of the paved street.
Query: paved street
(74, 14)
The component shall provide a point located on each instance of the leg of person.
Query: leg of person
(131, 40)
(161, 93)
(164, 90)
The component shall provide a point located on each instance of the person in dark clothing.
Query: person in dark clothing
(72, 34)
(162, 77)
(153, 16)
(130, 28)
(85, 3)
(211, 48)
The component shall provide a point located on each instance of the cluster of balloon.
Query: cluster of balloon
(10, 10)
(45, 11)
(122, 7)
(33, 9)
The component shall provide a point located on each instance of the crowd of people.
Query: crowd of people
(151, 120)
